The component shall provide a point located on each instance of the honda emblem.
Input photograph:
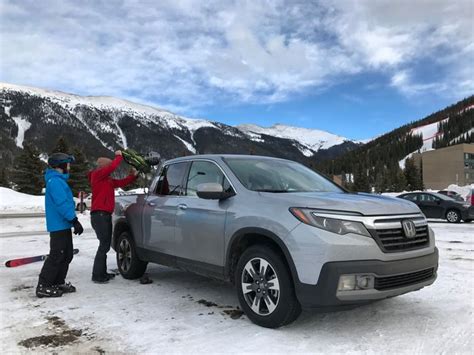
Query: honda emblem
(409, 228)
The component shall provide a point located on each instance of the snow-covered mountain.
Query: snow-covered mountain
(308, 140)
(100, 124)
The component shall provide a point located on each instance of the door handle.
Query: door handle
(152, 204)
(182, 206)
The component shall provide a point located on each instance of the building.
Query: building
(445, 166)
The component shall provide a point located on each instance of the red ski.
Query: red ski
(28, 260)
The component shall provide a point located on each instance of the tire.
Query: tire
(453, 216)
(467, 220)
(129, 265)
(283, 307)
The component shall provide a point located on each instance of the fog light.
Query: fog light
(365, 281)
(347, 283)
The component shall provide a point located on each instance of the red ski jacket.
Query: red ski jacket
(103, 195)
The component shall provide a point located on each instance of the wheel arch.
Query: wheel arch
(246, 237)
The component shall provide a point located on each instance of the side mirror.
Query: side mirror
(212, 191)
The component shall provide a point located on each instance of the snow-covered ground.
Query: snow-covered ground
(171, 316)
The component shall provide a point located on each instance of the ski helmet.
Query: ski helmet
(59, 160)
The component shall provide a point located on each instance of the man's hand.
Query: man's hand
(78, 229)
(133, 172)
(118, 152)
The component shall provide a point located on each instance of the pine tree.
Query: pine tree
(27, 174)
(4, 178)
(78, 173)
(361, 180)
(412, 176)
(399, 182)
(61, 146)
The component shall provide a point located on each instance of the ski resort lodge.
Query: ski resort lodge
(445, 166)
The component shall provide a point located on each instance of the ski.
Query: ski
(29, 260)
(142, 163)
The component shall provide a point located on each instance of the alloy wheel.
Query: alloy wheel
(125, 255)
(260, 286)
(452, 216)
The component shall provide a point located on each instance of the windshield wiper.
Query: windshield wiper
(272, 190)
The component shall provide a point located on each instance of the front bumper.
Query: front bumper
(325, 293)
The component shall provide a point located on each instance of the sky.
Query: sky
(355, 68)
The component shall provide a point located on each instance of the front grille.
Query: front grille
(388, 282)
(394, 239)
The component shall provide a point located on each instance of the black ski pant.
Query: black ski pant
(102, 223)
(56, 265)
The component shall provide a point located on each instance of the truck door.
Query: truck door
(200, 223)
(159, 213)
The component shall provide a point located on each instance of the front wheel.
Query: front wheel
(129, 265)
(265, 288)
(453, 216)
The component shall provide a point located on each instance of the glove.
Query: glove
(78, 229)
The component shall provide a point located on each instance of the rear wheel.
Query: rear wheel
(453, 216)
(129, 265)
(265, 288)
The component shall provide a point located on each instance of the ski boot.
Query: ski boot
(66, 287)
(48, 291)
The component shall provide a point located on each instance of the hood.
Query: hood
(51, 173)
(366, 204)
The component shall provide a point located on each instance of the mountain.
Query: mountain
(100, 125)
(381, 159)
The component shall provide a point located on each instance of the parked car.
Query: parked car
(436, 205)
(285, 236)
(454, 195)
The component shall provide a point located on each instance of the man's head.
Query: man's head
(60, 161)
(102, 162)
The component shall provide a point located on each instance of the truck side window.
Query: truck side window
(204, 172)
(171, 179)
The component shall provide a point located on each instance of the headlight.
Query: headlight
(334, 225)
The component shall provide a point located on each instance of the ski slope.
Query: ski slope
(428, 132)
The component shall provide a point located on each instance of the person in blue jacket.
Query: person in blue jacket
(60, 218)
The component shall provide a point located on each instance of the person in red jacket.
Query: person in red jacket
(103, 204)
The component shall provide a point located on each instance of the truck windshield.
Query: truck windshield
(279, 176)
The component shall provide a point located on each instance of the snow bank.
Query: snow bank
(13, 201)
(462, 190)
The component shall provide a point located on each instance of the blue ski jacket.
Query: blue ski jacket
(59, 203)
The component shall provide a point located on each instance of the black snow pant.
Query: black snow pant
(56, 265)
(102, 223)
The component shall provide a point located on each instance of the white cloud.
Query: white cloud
(187, 54)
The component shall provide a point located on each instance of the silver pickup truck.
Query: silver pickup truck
(285, 236)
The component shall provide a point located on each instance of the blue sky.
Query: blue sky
(354, 68)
